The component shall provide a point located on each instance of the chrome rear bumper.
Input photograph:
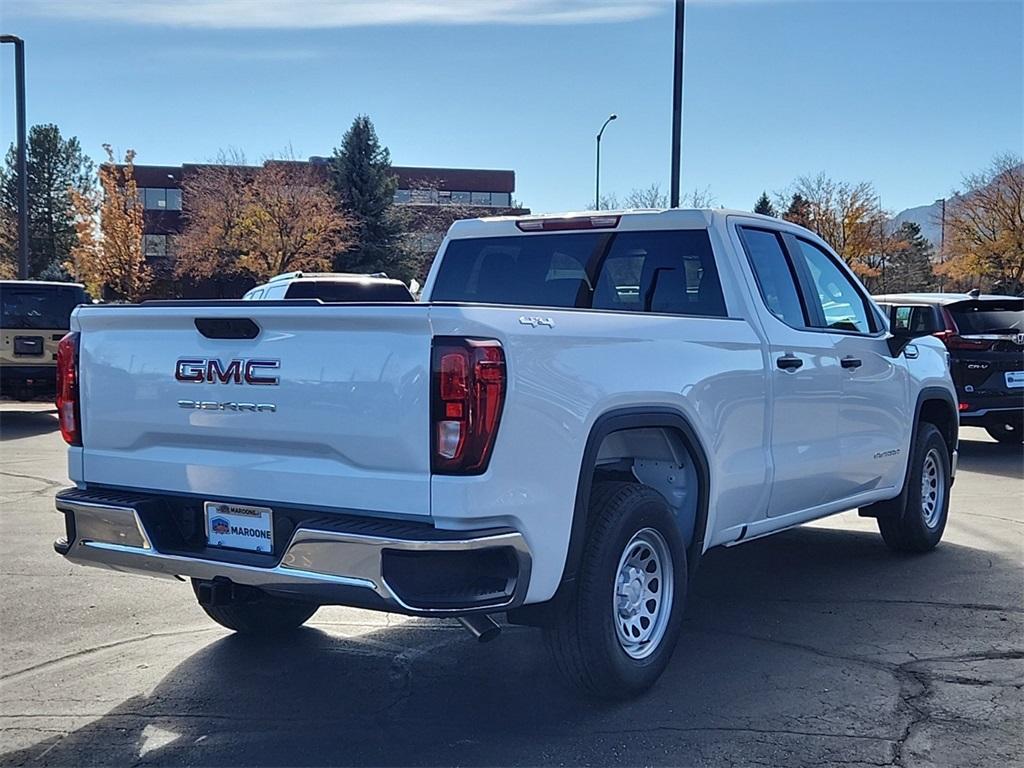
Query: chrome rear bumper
(325, 566)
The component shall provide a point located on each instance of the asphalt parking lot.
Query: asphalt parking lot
(814, 647)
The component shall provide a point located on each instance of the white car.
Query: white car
(580, 407)
(345, 287)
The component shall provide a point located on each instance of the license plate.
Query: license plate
(28, 346)
(1014, 379)
(239, 526)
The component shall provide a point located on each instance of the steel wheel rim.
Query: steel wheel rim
(642, 597)
(933, 488)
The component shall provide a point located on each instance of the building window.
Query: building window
(154, 246)
(461, 198)
(173, 199)
(444, 197)
(403, 196)
(424, 196)
(502, 199)
(481, 198)
(155, 199)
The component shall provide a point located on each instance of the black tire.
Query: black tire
(260, 614)
(583, 638)
(918, 526)
(1008, 433)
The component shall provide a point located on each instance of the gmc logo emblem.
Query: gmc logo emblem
(201, 370)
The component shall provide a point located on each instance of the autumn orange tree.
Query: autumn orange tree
(848, 217)
(108, 256)
(215, 200)
(258, 221)
(984, 229)
(291, 221)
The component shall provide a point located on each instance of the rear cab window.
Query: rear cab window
(657, 271)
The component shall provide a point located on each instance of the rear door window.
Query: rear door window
(774, 274)
(988, 316)
(665, 271)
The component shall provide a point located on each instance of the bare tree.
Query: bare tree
(648, 197)
(698, 198)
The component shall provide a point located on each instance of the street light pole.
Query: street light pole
(597, 172)
(677, 104)
(22, 164)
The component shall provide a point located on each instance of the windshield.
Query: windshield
(41, 307)
(989, 316)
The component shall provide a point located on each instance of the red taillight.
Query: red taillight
(952, 340)
(68, 411)
(468, 393)
(964, 406)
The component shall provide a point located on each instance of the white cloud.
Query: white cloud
(309, 14)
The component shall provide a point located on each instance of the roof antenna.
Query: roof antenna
(974, 293)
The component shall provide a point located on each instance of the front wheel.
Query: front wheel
(616, 634)
(1009, 432)
(918, 526)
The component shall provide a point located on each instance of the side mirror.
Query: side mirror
(900, 338)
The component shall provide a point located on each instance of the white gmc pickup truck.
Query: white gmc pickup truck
(578, 409)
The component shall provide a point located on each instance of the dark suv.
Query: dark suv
(985, 338)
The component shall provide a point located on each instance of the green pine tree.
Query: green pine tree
(909, 267)
(764, 205)
(799, 211)
(364, 186)
(55, 166)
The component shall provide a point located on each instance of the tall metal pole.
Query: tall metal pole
(942, 243)
(597, 170)
(22, 164)
(677, 104)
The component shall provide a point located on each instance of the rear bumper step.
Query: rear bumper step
(412, 569)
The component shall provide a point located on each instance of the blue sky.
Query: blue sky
(908, 95)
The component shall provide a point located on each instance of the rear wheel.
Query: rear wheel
(918, 526)
(616, 634)
(259, 614)
(1010, 432)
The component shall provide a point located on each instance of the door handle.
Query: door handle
(789, 362)
(850, 362)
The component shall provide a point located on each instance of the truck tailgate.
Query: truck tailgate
(345, 426)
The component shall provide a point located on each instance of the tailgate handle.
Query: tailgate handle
(227, 327)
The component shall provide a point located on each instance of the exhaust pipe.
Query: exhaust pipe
(481, 626)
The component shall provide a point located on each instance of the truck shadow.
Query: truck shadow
(990, 458)
(17, 424)
(802, 633)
